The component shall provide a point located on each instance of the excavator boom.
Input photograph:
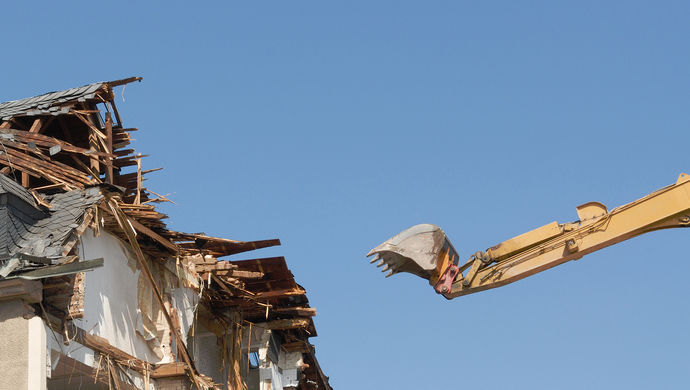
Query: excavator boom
(424, 250)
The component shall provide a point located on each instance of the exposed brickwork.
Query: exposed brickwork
(76, 301)
(64, 295)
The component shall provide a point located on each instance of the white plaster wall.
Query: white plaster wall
(291, 365)
(82, 354)
(74, 350)
(110, 295)
(185, 301)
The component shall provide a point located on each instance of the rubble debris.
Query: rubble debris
(71, 188)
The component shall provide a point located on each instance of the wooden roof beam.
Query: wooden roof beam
(128, 80)
(145, 230)
(292, 323)
(280, 293)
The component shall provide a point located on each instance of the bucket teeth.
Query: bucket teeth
(389, 263)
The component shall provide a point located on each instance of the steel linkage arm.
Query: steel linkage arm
(555, 244)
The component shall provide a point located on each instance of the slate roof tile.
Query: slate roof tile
(42, 104)
(24, 228)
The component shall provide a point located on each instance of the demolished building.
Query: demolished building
(97, 293)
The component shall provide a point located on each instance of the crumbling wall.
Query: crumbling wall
(277, 369)
(115, 303)
(209, 354)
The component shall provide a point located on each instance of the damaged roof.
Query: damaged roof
(46, 103)
(54, 103)
(66, 165)
(48, 232)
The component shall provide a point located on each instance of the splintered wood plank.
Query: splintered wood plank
(239, 274)
(124, 81)
(91, 126)
(52, 169)
(200, 259)
(167, 370)
(36, 168)
(220, 246)
(157, 237)
(221, 265)
(109, 134)
(86, 168)
(66, 168)
(295, 346)
(127, 161)
(103, 345)
(124, 152)
(128, 179)
(36, 126)
(222, 285)
(292, 323)
(297, 311)
(21, 146)
(94, 146)
(145, 214)
(25, 179)
(145, 230)
(280, 293)
(48, 142)
(137, 198)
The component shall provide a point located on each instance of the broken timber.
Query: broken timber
(74, 140)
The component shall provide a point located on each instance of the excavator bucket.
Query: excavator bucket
(422, 250)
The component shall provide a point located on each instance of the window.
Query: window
(253, 359)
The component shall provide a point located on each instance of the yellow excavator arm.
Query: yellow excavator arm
(424, 250)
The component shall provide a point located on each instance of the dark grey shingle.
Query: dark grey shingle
(24, 228)
(24, 106)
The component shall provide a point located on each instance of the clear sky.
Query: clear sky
(334, 125)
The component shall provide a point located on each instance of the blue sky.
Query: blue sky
(335, 125)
